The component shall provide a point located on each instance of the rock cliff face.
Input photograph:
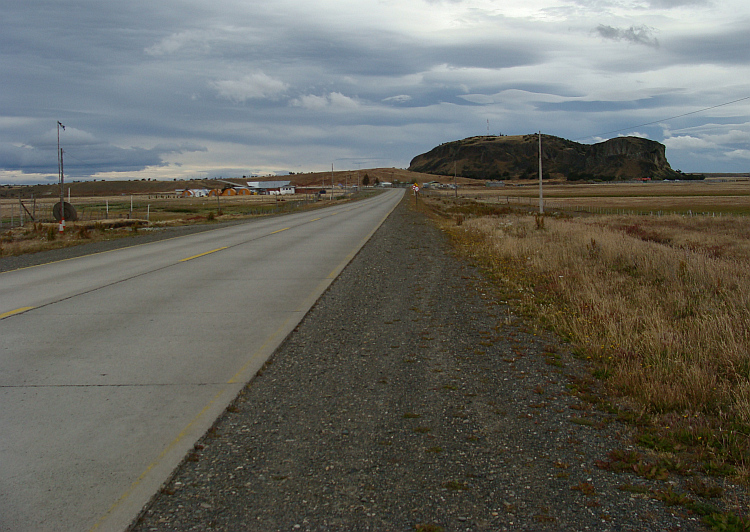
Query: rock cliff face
(514, 157)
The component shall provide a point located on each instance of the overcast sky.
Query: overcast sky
(180, 89)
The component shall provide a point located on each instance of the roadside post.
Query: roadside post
(415, 189)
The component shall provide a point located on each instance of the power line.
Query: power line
(664, 119)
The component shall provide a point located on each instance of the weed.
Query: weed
(633, 488)
(411, 415)
(455, 485)
(719, 469)
(619, 461)
(427, 527)
(651, 471)
(539, 221)
(671, 498)
(727, 522)
(587, 488)
(83, 232)
(704, 489)
(702, 508)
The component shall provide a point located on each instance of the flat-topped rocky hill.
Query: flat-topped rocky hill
(514, 157)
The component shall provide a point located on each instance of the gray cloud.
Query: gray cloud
(146, 86)
(84, 155)
(634, 34)
(727, 47)
(669, 4)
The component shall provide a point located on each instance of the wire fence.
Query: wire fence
(551, 205)
(21, 211)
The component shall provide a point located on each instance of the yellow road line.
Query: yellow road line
(203, 254)
(13, 312)
(280, 230)
(315, 219)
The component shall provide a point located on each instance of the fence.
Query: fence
(551, 205)
(18, 212)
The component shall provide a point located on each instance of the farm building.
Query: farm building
(193, 193)
(271, 187)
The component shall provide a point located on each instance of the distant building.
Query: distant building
(271, 187)
(193, 193)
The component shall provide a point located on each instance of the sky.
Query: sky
(231, 88)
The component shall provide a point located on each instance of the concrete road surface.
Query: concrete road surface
(113, 365)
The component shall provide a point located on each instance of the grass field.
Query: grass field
(103, 218)
(684, 197)
(660, 305)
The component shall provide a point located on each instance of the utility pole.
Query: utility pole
(541, 195)
(61, 228)
(455, 183)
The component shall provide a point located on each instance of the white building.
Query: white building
(271, 187)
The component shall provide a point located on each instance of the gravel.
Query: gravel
(410, 398)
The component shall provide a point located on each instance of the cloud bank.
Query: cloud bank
(187, 89)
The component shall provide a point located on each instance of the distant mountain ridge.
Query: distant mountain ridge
(514, 157)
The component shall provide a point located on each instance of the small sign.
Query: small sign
(415, 188)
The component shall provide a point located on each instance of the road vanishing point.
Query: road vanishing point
(113, 365)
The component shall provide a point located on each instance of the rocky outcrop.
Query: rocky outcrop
(513, 157)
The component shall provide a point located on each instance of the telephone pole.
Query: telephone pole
(61, 178)
(541, 195)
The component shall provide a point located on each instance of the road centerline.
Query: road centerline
(14, 312)
(203, 254)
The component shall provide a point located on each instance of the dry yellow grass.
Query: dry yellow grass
(680, 197)
(661, 304)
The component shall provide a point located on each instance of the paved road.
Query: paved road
(112, 365)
